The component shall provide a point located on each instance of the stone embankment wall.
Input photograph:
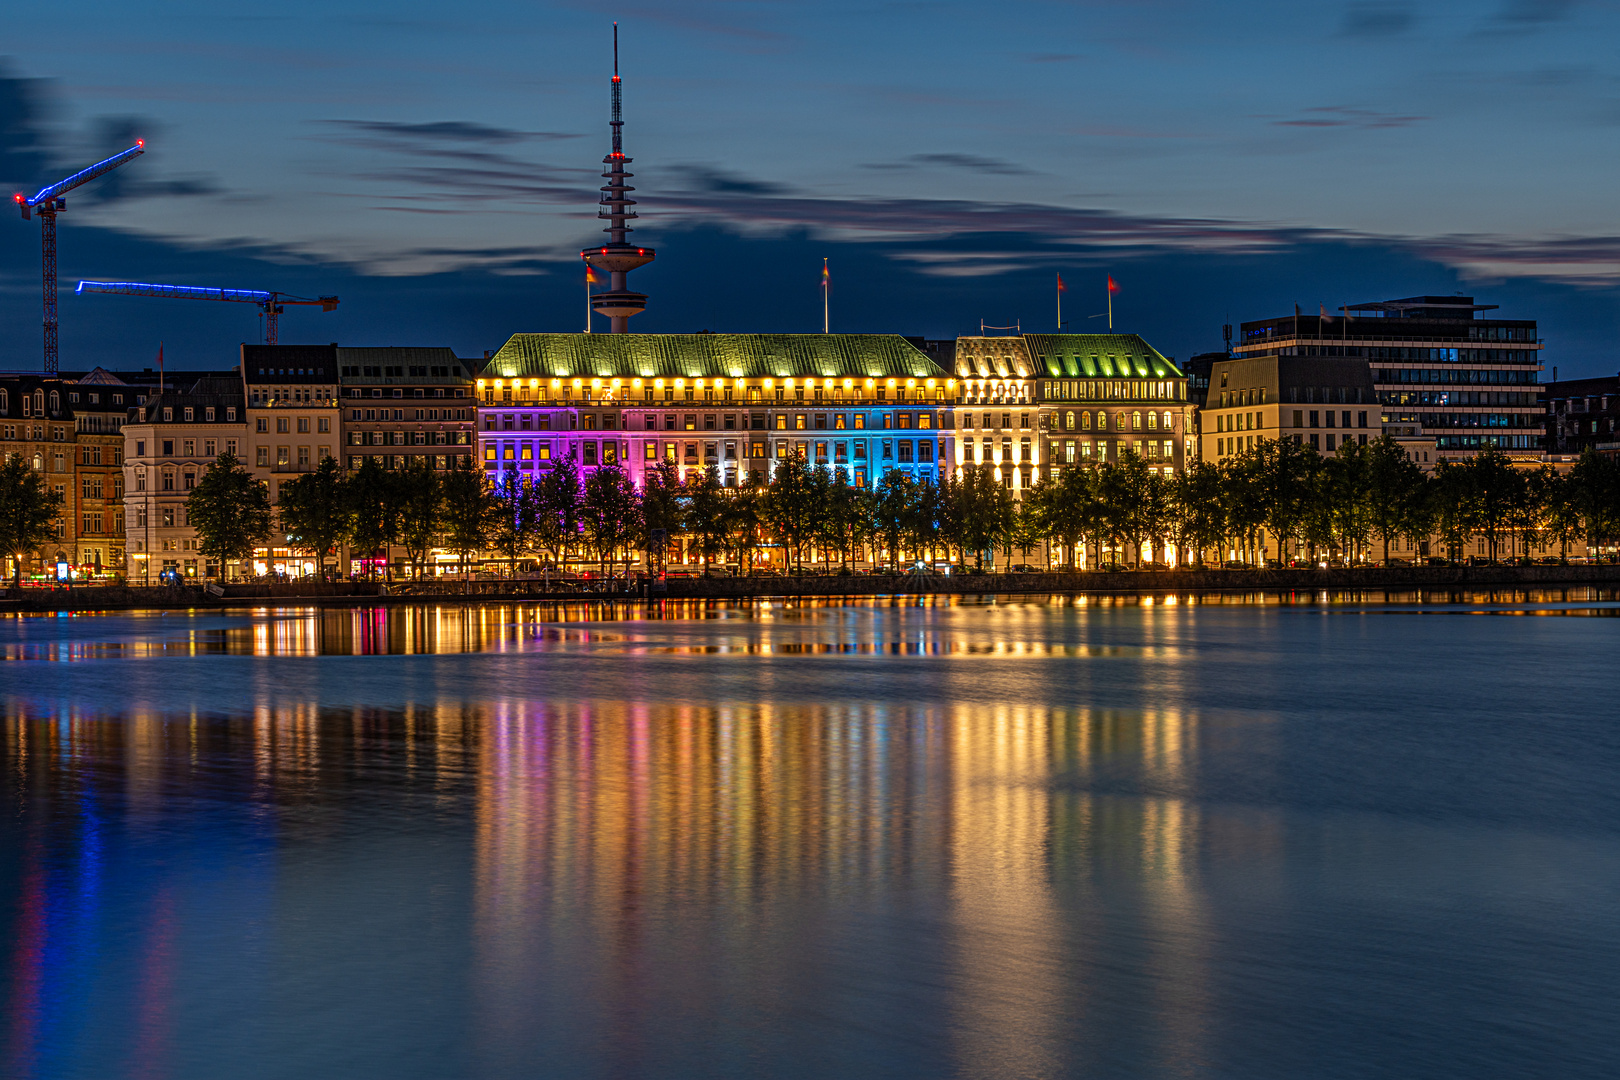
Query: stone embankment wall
(1441, 578)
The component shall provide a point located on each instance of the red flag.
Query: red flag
(591, 276)
(1062, 287)
(1113, 286)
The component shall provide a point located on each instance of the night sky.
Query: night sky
(437, 167)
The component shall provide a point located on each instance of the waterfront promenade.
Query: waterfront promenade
(1404, 578)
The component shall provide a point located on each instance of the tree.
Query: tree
(468, 509)
(314, 512)
(1283, 479)
(1594, 498)
(374, 501)
(1497, 486)
(789, 508)
(1394, 490)
(230, 510)
(516, 511)
(611, 511)
(743, 520)
(1451, 504)
(890, 512)
(421, 511)
(557, 516)
(1200, 509)
(706, 514)
(28, 508)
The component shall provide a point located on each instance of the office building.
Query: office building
(1468, 382)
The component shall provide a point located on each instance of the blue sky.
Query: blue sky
(438, 167)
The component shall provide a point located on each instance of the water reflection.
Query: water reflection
(1069, 845)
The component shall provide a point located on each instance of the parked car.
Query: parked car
(1023, 568)
(1436, 561)
(1237, 564)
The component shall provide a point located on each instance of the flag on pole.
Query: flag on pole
(1113, 286)
(591, 276)
(1062, 287)
(1322, 310)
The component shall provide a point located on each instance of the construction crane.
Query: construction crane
(271, 303)
(47, 203)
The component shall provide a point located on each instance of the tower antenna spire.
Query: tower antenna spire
(618, 257)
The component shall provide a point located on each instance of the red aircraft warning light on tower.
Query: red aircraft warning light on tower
(618, 257)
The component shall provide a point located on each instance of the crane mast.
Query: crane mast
(47, 202)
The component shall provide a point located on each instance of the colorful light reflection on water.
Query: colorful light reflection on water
(1031, 837)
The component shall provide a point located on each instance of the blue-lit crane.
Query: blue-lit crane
(270, 303)
(47, 203)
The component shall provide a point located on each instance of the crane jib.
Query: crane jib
(84, 176)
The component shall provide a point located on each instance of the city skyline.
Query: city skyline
(453, 216)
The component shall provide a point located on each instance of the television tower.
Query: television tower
(618, 257)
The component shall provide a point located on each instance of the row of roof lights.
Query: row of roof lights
(769, 383)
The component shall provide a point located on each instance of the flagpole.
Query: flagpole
(826, 309)
(1060, 303)
(587, 299)
(1110, 308)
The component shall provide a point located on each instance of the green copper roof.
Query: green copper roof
(1098, 356)
(735, 356)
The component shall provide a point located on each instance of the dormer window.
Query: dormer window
(190, 414)
(168, 414)
(208, 414)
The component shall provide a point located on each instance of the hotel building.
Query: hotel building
(862, 403)
(1037, 402)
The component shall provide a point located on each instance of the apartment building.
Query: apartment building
(170, 442)
(291, 394)
(36, 424)
(100, 402)
(401, 404)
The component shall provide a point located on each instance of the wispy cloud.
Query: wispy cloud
(1378, 19)
(439, 131)
(922, 231)
(1337, 116)
(969, 162)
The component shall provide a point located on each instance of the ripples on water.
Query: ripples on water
(1022, 837)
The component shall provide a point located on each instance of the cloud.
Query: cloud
(1523, 13)
(970, 162)
(1378, 19)
(711, 180)
(1333, 116)
(437, 131)
(1044, 234)
(23, 158)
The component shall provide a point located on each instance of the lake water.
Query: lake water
(963, 837)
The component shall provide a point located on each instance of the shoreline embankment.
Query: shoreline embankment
(340, 594)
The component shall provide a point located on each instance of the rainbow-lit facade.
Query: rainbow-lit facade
(862, 403)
